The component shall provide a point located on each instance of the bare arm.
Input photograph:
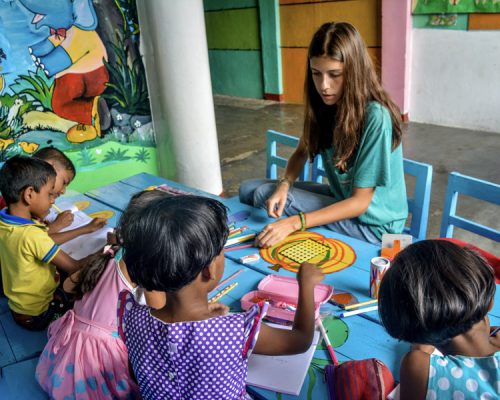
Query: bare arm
(276, 202)
(414, 375)
(351, 207)
(67, 263)
(92, 226)
(62, 220)
(273, 341)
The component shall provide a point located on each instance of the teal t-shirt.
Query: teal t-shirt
(375, 165)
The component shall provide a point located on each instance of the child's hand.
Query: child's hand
(218, 309)
(309, 274)
(95, 224)
(111, 238)
(62, 221)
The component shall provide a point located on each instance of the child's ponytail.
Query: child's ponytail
(92, 271)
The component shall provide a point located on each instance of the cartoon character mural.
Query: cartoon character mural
(73, 78)
(74, 54)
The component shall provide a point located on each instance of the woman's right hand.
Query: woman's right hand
(276, 202)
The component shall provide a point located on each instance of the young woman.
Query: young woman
(355, 127)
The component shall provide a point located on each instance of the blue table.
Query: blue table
(366, 336)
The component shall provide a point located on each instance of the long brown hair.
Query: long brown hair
(342, 42)
(95, 265)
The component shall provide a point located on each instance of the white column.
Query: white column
(174, 45)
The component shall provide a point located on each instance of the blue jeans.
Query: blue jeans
(305, 197)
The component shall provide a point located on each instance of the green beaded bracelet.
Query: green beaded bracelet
(302, 221)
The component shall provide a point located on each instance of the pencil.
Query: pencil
(244, 246)
(59, 211)
(327, 341)
(229, 278)
(236, 231)
(364, 303)
(494, 333)
(223, 292)
(240, 239)
(355, 312)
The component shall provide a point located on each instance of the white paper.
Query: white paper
(283, 374)
(83, 245)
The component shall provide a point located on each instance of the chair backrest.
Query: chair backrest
(473, 187)
(418, 205)
(274, 160)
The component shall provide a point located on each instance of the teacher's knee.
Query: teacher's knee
(262, 193)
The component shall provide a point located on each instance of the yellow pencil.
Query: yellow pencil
(223, 292)
(364, 303)
(59, 211)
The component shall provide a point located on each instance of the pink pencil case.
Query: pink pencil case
(282, 293)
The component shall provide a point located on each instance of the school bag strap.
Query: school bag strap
(359, 380)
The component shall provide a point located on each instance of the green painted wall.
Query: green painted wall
(442, 21)
(271, 43)
(236, 73)
(211, 5)
(234, 47)
(233, 29)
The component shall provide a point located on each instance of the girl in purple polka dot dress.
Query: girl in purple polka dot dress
(85, 357)
(188, 350)
(438, 294)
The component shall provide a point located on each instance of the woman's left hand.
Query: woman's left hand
(277, 231)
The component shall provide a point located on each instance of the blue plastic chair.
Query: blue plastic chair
(473, 187)
(418, 205)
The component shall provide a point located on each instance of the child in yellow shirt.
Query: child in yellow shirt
(65, 173)
(28, 255)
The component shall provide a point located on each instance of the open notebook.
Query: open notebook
(283, 374)
(84, 245)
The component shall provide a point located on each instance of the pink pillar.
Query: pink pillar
(396, 51)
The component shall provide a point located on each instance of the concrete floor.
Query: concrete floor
(242, 123)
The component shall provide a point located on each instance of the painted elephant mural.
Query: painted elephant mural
(74, 54)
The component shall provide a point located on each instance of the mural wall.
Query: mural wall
(71, 77)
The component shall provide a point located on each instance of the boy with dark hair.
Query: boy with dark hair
(28, 255)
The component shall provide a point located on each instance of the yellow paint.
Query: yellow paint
(29, 147)
(294, 72)
(41, 120)
(484, 22)
(85, 49)
(106, 214)
(299, 22)
(82, 205)
(4, 143)
(282, 2)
